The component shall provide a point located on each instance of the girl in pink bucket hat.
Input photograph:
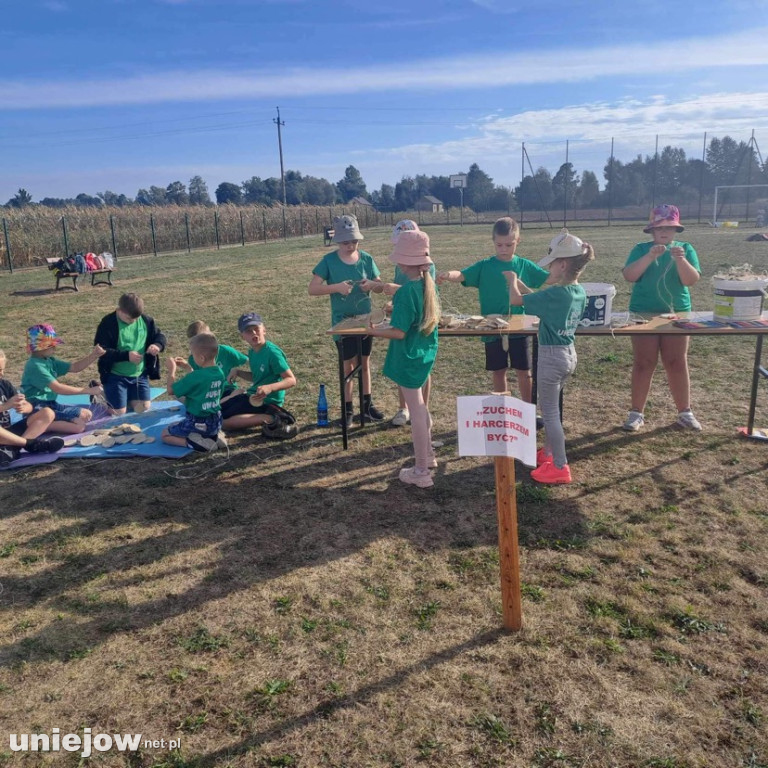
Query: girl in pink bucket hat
(413, 345)
(403, 416)
(661, 273)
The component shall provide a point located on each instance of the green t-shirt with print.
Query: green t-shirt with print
(267, 365)
(659, 288)
(227, 358)
(559, 309)
(333, 270)
(410, 360)
(487, 275)
(131, 337)
(38, 374)
(201, 390)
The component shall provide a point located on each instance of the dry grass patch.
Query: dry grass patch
(295, 606)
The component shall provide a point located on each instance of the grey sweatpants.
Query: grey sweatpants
(556, 364)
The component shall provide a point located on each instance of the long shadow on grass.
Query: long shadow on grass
(360, 698)
(272, 509)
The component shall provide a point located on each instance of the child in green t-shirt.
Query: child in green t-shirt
(413, 346)
(227, 357)
(201, 390)
(487, 275)
(348, 275)
(661, 273)
(559, 308)
(40, 380)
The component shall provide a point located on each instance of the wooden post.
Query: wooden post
(7, 245)
(509, 553)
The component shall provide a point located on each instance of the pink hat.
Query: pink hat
(664, 216)
(411, 249)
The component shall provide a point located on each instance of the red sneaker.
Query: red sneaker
(552, 475)
(542, 457)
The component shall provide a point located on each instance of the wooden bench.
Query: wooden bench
(73, 276)
(328, 234)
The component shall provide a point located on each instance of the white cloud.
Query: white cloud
(561, 65)
(496, 141)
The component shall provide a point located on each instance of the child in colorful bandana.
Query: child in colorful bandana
(40, 383)
(661, 273)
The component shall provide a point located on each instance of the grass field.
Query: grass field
(295, 605)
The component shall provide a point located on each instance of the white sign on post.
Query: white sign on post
(497, 425)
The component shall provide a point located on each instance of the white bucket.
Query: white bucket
(739, 299)
(599, 302)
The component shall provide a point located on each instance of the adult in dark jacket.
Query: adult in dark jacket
(133, 344)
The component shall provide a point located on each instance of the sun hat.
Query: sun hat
(564, 246)
(346, 228)
(664, 216)
(247, 320)
(42, 336)
(411, 249)
(404, 225)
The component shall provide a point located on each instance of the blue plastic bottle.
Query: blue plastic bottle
(322, 408)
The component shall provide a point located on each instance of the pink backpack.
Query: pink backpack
(91, 262)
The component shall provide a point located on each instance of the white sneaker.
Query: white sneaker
(401, 418)
(418, 477)
(221, 441)
(634, 421)
(687, 420)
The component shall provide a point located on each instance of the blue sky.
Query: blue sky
(124, 94)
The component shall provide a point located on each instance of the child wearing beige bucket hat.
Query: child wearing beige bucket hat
(559, 306)
(413, 346)
(348, 275)
(661, 273)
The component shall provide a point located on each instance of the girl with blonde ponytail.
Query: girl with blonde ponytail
(413, 346)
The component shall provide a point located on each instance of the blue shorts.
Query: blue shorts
(63, 412)
(207, 426)
(121, 390)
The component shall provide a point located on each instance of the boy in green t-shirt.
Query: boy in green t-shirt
(227, 357)
(40, 383)
(270, 375)
(201, 390)
(487, 275)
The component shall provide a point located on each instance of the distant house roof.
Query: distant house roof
(431, 199)
(360, 201)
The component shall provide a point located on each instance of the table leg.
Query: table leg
(342, 383)
(757, 372)
(360, 379)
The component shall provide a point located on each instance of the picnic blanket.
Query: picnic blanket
(152, 423)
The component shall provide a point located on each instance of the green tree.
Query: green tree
(20, 200)
(157, 195)
(319, 191)
(176, 194)
(384, 198)
(88, 201)
(405, 194)
(564, 185)
(113, 199)
(227, 192)
(198, 191)
(588, 191)
(479, 189)
(255, 192)
(351, 185)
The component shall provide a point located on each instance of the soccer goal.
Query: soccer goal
(731, 186)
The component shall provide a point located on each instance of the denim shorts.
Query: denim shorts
(63, 412)
(207, 426)
(121, 390)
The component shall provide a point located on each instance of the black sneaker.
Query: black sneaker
(197, 442)
(45, 445)
(373, 413)
(8, 453)
(348, 417)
